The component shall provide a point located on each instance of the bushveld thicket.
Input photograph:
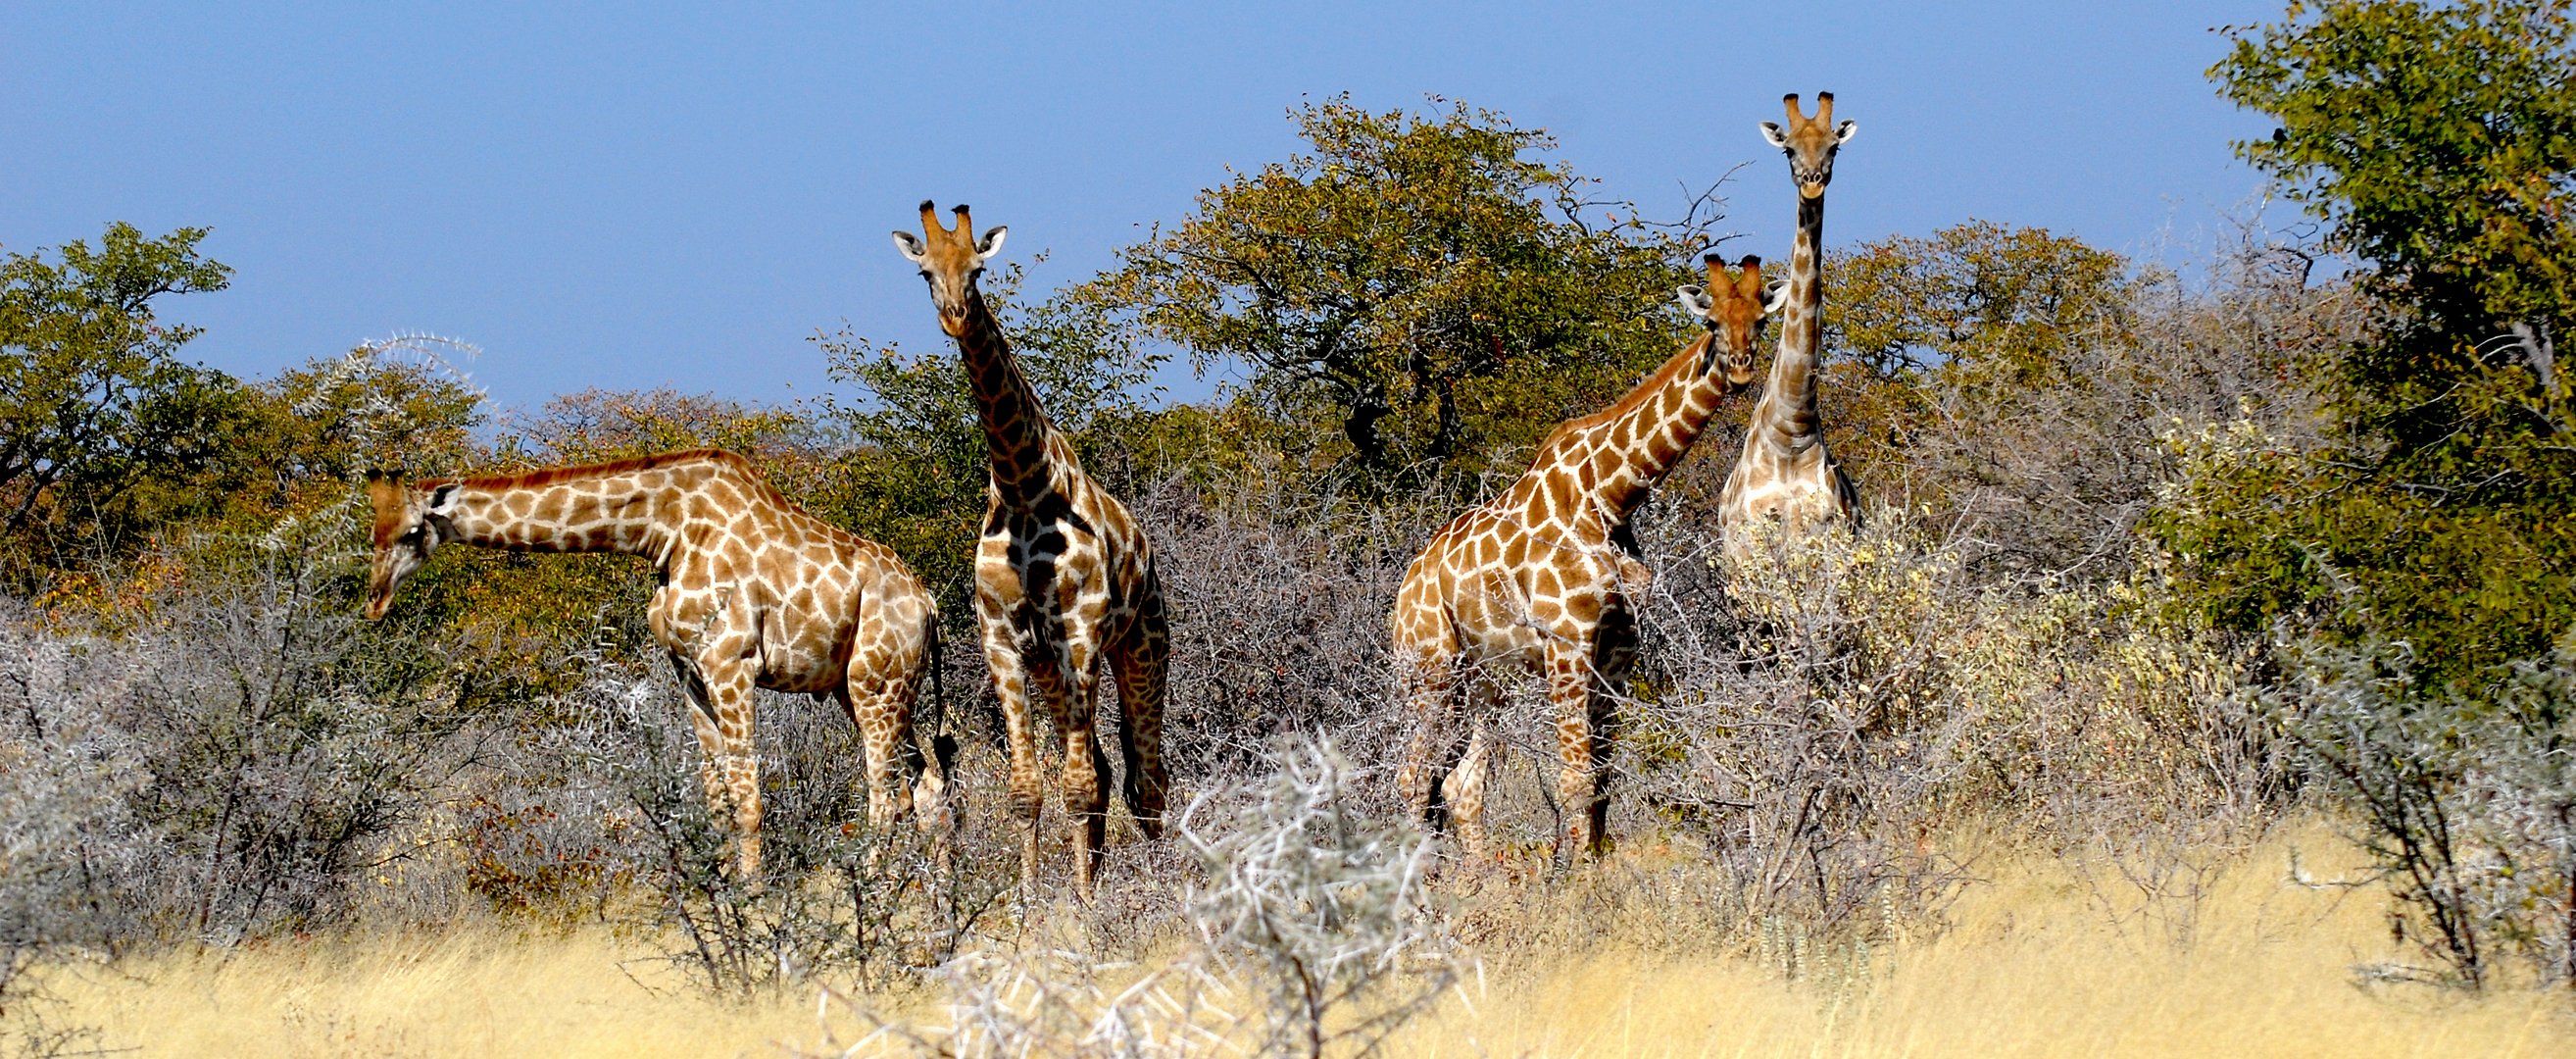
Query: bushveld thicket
(2149, 561)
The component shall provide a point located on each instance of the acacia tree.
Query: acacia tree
(2008, 297)
(2438, 144)
(1419, 288)
(2429, 543)
(93, 401)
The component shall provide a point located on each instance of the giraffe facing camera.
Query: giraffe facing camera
(1810, 143)
(1785, 478)
(1539, 578)
(1064, 578)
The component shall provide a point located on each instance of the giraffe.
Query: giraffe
(1784, 473)
(1063, 575)
(1538, 579)
(754, 591)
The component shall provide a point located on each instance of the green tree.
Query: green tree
(2008, 299)
(2438, 145)
(93, 402)
(1418, 288)
(1991, 375)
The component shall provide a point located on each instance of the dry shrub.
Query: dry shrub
(1814, 717)
(1311, 930)
(1279, 627)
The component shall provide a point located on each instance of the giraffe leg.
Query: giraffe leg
(1617, 653)
(1432, 748)
(721, 689)
(1139, 662)
(880, 686)
(1072, 693)
(883, 718)
(1580, 784)
(1466, 787)
(1019, 730)
(1426, 654)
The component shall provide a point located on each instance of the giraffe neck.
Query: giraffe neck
(1017, 435)
(611, 508)
(1786, 422)
(1645, 434)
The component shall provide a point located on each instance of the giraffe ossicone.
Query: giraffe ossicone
(1064, 577)
(1539, 580)
(755, 592)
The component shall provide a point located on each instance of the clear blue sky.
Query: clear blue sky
(631, 196)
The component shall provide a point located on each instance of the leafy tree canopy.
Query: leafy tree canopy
(1419, 287)
(1981, 292)
(2438, 143)
(93, 401)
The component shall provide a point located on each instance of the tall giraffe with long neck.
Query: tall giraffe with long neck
(1785, 474)
(1538, 579)
(754, 592)
(1063, 574)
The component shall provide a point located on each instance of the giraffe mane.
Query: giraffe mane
(552, 475)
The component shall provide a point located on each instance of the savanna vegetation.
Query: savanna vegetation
(2168, 575)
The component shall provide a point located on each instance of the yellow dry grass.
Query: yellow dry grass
(2032, 967)
(475, 991)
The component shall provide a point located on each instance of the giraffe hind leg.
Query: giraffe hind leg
(1139, 663)
(1435, 746)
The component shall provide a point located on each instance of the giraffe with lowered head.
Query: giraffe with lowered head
(754, 592)
(1538, 579)
(1064, 578)
(1785, 475)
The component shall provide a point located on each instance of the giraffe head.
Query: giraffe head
(410, 524)
(1810, 143)
(1733, 308)
(950, 259)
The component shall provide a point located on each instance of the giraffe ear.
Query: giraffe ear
(910, 246)
(441, 499)
(1774, 295)
(1695, 300)
(991, 243)
(1843, 132)
(1771, 131)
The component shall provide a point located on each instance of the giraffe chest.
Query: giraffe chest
(1796, 491)
(1047, 570)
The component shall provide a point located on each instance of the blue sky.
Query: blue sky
(633, 196)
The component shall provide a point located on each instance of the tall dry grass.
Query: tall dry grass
(2045, 957)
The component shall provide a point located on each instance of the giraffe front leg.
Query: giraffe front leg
(1466, 787)
(1581, 785)
(1418, 779)
(719, 689)
(1086, 770)
(1426, 659)
(1019, 729)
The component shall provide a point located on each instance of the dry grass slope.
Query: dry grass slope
(2033, 965)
